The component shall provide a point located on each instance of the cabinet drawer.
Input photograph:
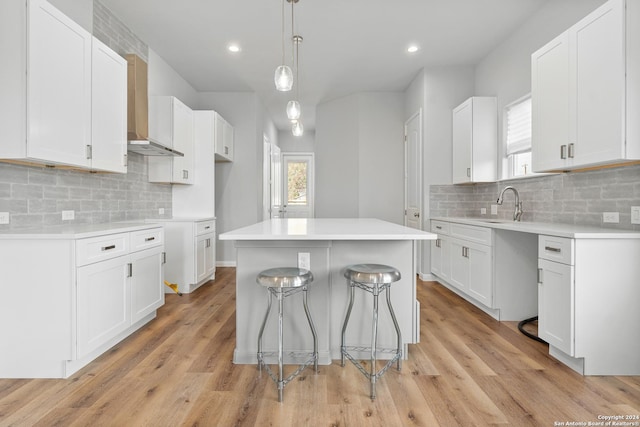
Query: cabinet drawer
(440, 227)
(558, 249)
(205, 227)
(96, 249)
(147, 239)
(482, 235)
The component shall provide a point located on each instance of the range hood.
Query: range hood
(138, 112)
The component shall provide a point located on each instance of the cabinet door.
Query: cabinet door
(108, 110)
(205, 256)
(147, 287)
(224, 139)
(59, 87)
(103, 303)
(556, 305)
(550, 105)
(597, 64)
(440, 258)
(462, 136)
(183, 172)
(480, 273)
(459, 265)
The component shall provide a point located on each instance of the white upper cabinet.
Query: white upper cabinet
(223, 140)
(109, 109)
(475, 141)
(45, 85)
(585, 92)
(46, 91)
(171, 124)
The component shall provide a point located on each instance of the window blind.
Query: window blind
(518, 119)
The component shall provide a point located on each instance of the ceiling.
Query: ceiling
(349, 45)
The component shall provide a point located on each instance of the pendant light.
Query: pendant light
(293, 107)
(297, 129)
(283, 77)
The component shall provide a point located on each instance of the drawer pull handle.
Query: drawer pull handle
(438, 227)
(149, 239)
(552, 249)
(108, 248)
(207, 227)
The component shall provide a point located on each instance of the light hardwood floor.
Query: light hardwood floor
(468, 370)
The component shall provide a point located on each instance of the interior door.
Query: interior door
(298, 185)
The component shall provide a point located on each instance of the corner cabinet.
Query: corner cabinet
(223, 139)
(76, 295)
(191, 252)
(46, 88)
(171, 124)
(585, 93)
(475, 141)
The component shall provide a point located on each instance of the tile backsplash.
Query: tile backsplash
(36, 196)
(573, 198)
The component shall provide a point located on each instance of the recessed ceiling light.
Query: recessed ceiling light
(234, 48)
(413, 48)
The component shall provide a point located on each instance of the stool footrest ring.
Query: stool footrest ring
(311, 359)
(385, 368)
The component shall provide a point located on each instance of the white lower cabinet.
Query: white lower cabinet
(464, 261)
(556, 304)
(191, 246)
(103, 303)
(76, 296)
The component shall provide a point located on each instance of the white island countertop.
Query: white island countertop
(326, 229)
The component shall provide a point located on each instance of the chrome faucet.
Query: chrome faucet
(518, 212)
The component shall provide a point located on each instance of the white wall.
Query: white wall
(436, 91)
(336, 158)
(164, 80)
(80, 11)
(359, 157)
(297, 144)
(239, 184)
(381, 156)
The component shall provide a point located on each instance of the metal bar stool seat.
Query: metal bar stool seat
(372, 278)
(283, 282)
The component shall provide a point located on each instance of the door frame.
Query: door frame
(420, 179)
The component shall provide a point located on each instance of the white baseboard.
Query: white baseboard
(225, 263)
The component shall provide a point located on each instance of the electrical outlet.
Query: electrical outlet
(161, 211)
(4, 217)
(68, 215)
(304, 260)
(494, 209)
(611, 217)
(483, 211)
(635, 214)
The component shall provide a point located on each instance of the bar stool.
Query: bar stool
(372, 278)
(283, 282)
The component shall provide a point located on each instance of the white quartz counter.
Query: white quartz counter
(549, 229)
(76, 231)
(326, 229)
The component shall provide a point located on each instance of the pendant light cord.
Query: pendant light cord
(283, 32)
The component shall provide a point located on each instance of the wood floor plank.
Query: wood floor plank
(467, 370)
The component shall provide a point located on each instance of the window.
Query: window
(517, 119)
(297, 183)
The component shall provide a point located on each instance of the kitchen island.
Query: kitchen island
(331, 245)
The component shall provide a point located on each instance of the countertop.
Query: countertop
(326, 229)
(549, 229)
(76, 231)
(183, 219)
